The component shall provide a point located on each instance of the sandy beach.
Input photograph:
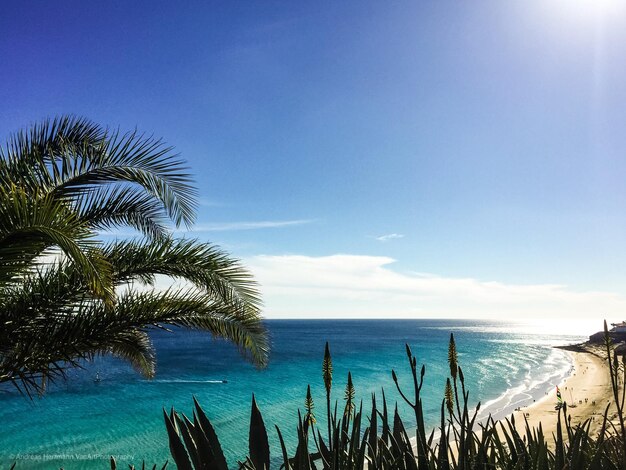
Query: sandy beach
(587, 387)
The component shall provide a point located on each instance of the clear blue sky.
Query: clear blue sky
(487, 137)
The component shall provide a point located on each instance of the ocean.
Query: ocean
(79, 423)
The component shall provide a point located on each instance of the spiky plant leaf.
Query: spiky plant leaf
(453, 360)
(308, 407)
(449, 397)
(258, 443)
(283, 448)
(349, 396)
(177, 448)
(327, 369)
(207, 433)
(327, 375)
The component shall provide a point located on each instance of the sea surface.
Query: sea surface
(81, 422)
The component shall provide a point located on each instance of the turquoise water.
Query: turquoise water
(80, 423)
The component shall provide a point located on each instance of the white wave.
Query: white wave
(533, 386)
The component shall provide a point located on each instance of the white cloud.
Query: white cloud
(341, 286)
(253, 225)
(390, 236)
(216, 227)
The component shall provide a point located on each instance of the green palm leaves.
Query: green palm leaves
(64, 295)
(71, 158)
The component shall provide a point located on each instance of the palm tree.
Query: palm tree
(66, 296)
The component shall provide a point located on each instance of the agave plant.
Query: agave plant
(65, 295)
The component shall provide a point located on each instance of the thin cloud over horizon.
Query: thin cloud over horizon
(217, 227)
(248, 225)
(390, 236)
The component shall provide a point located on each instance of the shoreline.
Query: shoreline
(588, 378)
(588, 387)
(528, 393)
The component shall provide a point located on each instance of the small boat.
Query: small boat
(97, 379)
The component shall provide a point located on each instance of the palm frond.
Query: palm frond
(111, 207)
(130, 158)
(61, 182)
(67, 156)
(202, 264)
(192, 309)
(29, 225)
(40, 346)
(28, 157)
(43, 140)
(135, 347)
(44, 346)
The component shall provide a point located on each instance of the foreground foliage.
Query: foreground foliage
(66, 296)
(380, 440)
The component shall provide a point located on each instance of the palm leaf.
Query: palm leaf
(202, 264)
(62, 181)
(30, 224)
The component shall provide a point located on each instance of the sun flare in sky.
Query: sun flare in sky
(366, 158)
(601, 6)
(587, 7)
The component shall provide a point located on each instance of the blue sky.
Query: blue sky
(486, 137)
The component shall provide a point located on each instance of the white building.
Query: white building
(618, 327)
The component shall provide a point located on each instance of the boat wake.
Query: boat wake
(185, 381)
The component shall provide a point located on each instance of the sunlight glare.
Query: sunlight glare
(562, 327)
(591, 8)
